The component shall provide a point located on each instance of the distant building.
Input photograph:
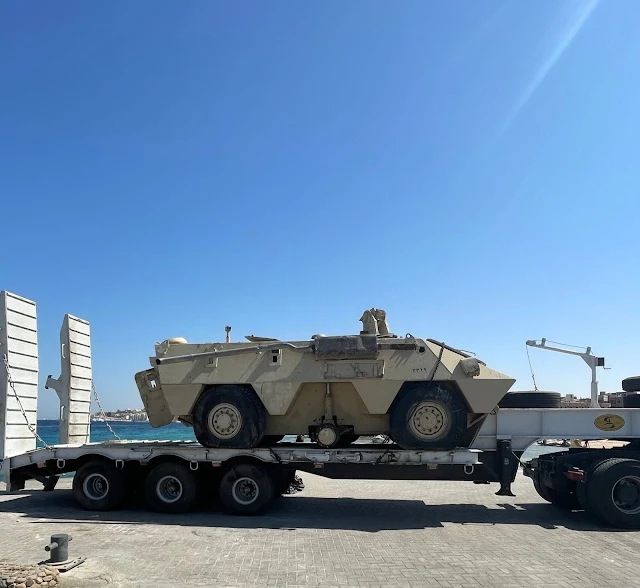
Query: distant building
(572, 401)
(612, 399)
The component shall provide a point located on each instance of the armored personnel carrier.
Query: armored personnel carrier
(422, 393)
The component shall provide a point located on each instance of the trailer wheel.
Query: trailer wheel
(99, 485)
(246, 489)
(427, 415)
(170, 487)
(614, 492)
(229, 416)
(564, 500)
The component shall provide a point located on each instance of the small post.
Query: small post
(505, 457)
(227, 330)
(59, 548)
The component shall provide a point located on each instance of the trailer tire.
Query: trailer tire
(530, 400)
(229, 416)
(246, 489)
(170, 487)
(99, 485)
(631, 384)
(613, 492)
(427, 415)
(564, 500)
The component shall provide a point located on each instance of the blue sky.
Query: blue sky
(167, 168)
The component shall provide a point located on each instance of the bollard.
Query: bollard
(59, 548)
(59, 554)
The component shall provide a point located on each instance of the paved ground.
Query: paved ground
(334, 533)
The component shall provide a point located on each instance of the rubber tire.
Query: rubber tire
(115, 477)
(562, 500)
(260, 477)
(530, 400)
(631, 401)
(253, 414)
(600, 486)
(412, 394)
(189, 488)
(631, 384)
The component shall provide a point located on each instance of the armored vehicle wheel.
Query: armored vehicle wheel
(229, 416)
(246, 489)
(427, 415)
(170, 487)
(99, 485)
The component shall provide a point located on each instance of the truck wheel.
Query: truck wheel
(614, 492)
(170, 487)
(246, 489)
(99, 485)
(564, 500)
(427, 416)
(229, 416)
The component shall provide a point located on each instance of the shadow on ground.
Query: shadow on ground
(304, 512)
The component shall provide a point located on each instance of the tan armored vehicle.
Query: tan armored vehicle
(420, 392)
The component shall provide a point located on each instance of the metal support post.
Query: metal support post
(506, 463)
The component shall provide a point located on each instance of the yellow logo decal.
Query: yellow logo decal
(609, 422)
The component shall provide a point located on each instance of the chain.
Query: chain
(24, 412)
(104, 416)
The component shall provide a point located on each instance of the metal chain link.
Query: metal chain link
(104, 416)
(24, 412)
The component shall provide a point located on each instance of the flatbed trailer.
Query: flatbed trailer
(171, 475)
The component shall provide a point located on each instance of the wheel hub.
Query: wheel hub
(626, 494)
(225, 421)
(95, 486)
(245, 491)
(169, 489)
(429, 420)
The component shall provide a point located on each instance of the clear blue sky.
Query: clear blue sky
(167, 168)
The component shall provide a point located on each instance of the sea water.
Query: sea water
(129, 430)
